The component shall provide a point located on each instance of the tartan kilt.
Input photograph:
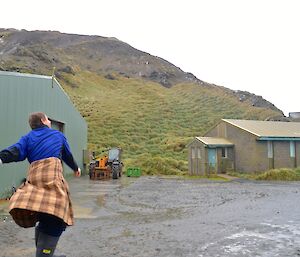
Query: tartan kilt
(44, 191)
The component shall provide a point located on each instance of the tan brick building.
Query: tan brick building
(245, 146)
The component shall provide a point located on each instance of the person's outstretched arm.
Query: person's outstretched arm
(68, 158)
(15, 153)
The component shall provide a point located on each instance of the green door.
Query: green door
(212, 159)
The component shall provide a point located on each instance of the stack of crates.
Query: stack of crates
(133, 172)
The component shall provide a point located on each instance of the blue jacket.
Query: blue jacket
(40, 143)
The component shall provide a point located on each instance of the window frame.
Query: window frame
(270, 149)
(292, 149)
(198, 152)
(225, 152)
(193, 152)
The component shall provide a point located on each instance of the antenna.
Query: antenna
(53, 75)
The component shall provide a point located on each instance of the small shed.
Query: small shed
(210, 155)
(22, 94)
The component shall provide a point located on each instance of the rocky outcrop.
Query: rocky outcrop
(41, 51)
(255, 100)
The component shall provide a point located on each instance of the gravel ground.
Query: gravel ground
(152, 216)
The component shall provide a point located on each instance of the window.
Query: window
(57, 125)
(292, 149)
(114, 154)
(199, 153)
(193, 152)
(270, 149)
(224, 152)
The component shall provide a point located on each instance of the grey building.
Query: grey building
(294, 116)
(22, 94)
(245, 146)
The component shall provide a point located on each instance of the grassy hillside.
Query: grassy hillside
(131, 99)
(151, 123)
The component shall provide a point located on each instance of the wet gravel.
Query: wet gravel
(152, 216)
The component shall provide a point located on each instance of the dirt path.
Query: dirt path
(151, 216)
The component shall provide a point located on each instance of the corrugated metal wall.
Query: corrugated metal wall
(22, 94)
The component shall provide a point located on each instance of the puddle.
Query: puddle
(83, 213)
(101, 200)
(151, 216)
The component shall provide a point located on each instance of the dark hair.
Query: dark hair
(35, 119)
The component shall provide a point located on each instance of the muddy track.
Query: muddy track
(152, 216)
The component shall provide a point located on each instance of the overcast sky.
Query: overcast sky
(251, 45)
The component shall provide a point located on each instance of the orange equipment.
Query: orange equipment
(106, 167)
(103, 162)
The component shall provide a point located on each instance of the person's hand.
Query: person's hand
(77, 173)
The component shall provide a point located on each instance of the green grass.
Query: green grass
(280, 175)
(283, 174)
(152, 124)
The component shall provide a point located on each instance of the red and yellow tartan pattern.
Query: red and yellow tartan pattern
(44, 191)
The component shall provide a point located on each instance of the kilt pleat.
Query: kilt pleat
(45, 190)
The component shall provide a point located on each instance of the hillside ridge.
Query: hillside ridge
(129, 98)
(40, 51)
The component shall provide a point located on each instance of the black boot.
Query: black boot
(46, 245)
(36, 235)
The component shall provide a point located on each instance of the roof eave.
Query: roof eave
(218, 145)
(266, 138)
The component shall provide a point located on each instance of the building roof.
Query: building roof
(268, 129)
(214, 141)
(29, 75)
(18, 74)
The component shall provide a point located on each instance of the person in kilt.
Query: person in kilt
(43, 200)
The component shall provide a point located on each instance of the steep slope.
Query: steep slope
(152, 123)
(42, 50)
(129, 98)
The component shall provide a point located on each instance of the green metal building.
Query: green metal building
(22, 94)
